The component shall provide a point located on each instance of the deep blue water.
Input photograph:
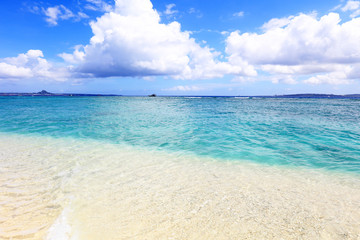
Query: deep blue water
(317, 133)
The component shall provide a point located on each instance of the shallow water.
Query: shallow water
(81, 189)
(179, 168)
(317, 133)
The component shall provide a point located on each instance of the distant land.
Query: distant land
(46, 93)
(302, 95)
(312, 95)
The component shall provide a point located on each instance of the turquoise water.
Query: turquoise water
(315, 133)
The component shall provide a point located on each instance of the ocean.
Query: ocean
(179, 168)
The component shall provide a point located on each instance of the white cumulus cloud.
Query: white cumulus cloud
(300, 45)
(132, 41)
(31, 65)
(334, 78)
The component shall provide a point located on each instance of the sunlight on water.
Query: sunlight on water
(317, 133)
(68, 188)
(179, 168)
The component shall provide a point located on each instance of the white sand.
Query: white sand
(67, 189)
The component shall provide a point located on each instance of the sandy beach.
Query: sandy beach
(67, 189)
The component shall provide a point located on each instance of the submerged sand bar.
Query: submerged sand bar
(80, 189)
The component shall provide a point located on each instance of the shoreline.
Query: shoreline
(178, 154)
(114, 192)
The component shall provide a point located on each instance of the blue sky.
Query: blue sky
(138, 47)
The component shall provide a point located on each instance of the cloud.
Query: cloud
(276, 23)
(33, 9)
(12, 71)
(287, 79)
(351, 5)
(195, 11)
(132, 41)
(98, 5)
(335, 78)
(203, 87)
(53, 14)
(192, 10)
(184, 88)
(31, 65)
(299, 45)
(169, 9)
(303, 40)
(60, 12)
(56, 13)
(355, 14)
(238, 14)
(77, 56)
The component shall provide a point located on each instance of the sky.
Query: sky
(187, 47)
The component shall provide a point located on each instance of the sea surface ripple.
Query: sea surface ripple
(315, 133)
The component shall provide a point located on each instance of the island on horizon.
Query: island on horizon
(49, 94)
(300, 95)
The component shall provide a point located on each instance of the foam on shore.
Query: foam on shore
(80, 189)
(60, 229)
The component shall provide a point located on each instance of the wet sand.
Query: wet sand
(81, 189)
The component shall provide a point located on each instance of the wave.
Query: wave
(61, 229)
